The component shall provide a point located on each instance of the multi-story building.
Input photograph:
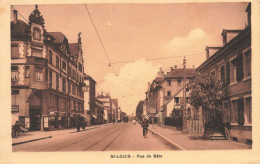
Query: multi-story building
(232, 64)
(107, 104)
(99, 112)
(162, 93)
(46, 75)
(89, 98)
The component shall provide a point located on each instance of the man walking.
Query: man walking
(145, 124)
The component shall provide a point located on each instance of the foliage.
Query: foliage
(208, 92)
(139, 110)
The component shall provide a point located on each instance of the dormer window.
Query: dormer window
(36, 34)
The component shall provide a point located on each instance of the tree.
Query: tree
(207, 93)
(139, 110)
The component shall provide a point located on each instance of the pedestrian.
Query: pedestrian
(145, 125)
(16, 129)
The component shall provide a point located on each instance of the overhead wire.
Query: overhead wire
(109, 64)
(20, 14)
(130, 61)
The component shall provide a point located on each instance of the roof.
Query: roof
(103, 96)
(58, 36)
(233, 31)
(73, 48)
(88, 77)
(245, 33)
(158, 80)
(20, 28)
(179, 73)
(115, 101)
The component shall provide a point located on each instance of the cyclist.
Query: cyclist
(145, 124)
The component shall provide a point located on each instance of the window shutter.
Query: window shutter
(228, 73)
(241, 111)
(239, 64)
(222, 73)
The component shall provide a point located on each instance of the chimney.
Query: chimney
(15, 16)
(248, 10)
(175, 67)
(102, 93)
(167, 73)
(193, 66)
(171, 68)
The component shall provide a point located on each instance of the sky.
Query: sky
(137, 36)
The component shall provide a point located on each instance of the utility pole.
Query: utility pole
(184, 115)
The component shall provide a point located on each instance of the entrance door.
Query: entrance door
(35, 118)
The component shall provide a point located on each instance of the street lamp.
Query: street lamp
(184, 115)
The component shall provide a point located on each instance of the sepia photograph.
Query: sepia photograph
(134, 80)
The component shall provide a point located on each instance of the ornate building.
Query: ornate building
(46, 75)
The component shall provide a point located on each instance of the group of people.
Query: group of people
(17, 128)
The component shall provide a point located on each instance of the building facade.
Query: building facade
(232, 64)
(46, 75)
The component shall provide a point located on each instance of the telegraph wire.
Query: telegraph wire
(130, 61)
(20, 15)
(109, 64)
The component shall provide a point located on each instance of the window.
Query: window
(27, 71)
(36, 34)
(14, 51)
(80, 67)
(64, 85)
(177, 100)
(37, 52)
(57, 82)
(234, 111)
(169, 93)
(239, 67)
(15, 100)
(248, 110)
(213, 73)
(69, 87)
(73, 89)
(233, 71)
(228, 73)
(64, 65)
(50, 57)
(247, 63)
(15, 94)
(74, 74)
(14, 73)
(179, 82)
(39, 73)
(169, 82)
(50, 79)
(222, 73)
(57, 62)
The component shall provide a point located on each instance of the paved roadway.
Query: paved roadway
(114, 137)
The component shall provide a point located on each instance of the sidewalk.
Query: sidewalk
(195, 141)
(39, 135)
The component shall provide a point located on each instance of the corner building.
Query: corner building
(46, 75)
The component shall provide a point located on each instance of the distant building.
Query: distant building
(106, 100)
(89, 98)
(46, 75)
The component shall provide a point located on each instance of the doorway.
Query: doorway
(35, 118)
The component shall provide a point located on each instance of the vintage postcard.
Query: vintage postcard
(171, 82)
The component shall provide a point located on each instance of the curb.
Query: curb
(18, 143)
(172, 143)
(32, 140)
